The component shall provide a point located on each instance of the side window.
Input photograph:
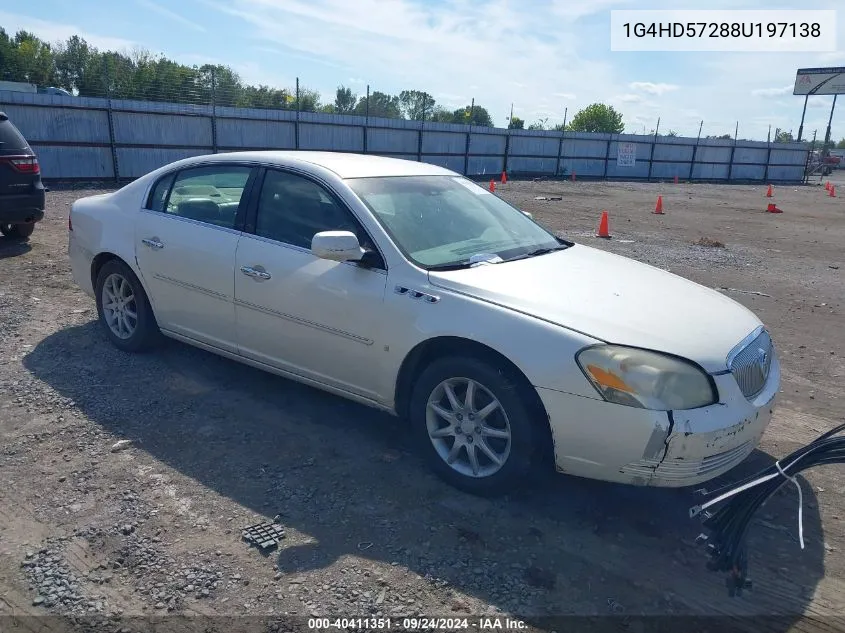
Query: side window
(208, 194)
(292, 209)
(158, 196)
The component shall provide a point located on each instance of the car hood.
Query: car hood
(614, 299)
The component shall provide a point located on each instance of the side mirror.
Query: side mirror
(338, 246)
(528, 215)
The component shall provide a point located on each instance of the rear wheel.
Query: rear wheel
(124, 309)
(17, 230)
(473, 425)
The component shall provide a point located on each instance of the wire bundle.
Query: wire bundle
(728, 526)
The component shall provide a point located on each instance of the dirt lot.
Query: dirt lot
(155, 528)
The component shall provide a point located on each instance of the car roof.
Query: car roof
(345, 165)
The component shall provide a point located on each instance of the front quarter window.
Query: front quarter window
(438, 221)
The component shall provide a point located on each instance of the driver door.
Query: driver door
(316, 318)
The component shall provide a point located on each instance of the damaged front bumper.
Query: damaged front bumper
(602, 440)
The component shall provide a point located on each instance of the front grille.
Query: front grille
(680, 470)
(750, 365)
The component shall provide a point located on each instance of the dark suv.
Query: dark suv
(21, 190)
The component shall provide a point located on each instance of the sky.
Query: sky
(546, 57)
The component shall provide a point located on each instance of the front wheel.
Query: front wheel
(473, 425)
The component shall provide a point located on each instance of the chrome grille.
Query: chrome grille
(750, 364)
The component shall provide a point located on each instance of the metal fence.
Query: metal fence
(91, 138)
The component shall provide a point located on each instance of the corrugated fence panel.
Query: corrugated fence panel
(232, 133)
(679, 153)
(748, 172)
(592, 167)
(752, 155)
(533, 146)
(486, 165)
(486, 144)
(444, 143)
(455, 163)
(584, 148)
(787, 157)
(710, 172)
(331, 137)
(670, 170)
(134, 162)
(63, 125)
(526, 165)
(707, 154)
(61, 161)
(391, 140)
(162, 129)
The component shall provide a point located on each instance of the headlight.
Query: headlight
(649, 380)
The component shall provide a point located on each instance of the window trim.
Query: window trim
(251, 218)
(240, 215)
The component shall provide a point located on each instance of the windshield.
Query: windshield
(438, 221)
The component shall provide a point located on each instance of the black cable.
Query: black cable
(728, 525)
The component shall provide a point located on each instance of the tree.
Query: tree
(725, 137)
(516, 123)
(672, 133)
(344, 100)
(539, 125)
(381, 105)
(441, 115)
(473, 115)
(841, 144)
(783, 137)
(597, 117)
(416, 104)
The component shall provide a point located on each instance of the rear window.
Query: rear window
(10, 138)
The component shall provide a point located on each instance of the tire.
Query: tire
(512, 416)
(17, 230)
(130, 334)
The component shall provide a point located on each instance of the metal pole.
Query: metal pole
(829, 121)
(469, 136)
(768, 153)
(420, 137)
(810, 155)
(366, 118)
(653, 147)
(296, 124)
(695, 150)
(510, 120)
(560, 143)
(733, 151)
(803, 112)
(115, 167)
(213, 111)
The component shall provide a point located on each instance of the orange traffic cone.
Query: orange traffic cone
(769, 192)
(573, 175)
(832, 191)
(658, 208)
(772, 208)
(504, 177)
(604, 226)
(492, 185)
(676, 180)
(827, 186)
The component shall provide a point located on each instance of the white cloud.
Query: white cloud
(59, 32)
(629, 98)
(772, 92)
(569, 96)
(652, 88)
(171, 15)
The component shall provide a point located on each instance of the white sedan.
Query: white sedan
(409, 288)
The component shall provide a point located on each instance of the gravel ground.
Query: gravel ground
(126, 480)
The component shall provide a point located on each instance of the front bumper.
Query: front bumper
(601, 440)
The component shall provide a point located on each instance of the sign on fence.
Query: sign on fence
(626, 155)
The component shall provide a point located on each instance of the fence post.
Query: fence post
(560, 143)
(607, 154)
(768, 154)
(110, 116)
(507, 149)
(733, 150)
(653, 148)
(213, 112)
(366, 118)
(469, 136)
(810, 157)
(296, 123)
(695, 150)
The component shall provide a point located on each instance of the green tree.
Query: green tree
(539, 124)
(516, 123)
(381, 105)
(344, 100)
(841, 144)
(725, 137)
(472, 115)
(441, 115)
(783, 137)
(34, 60)
(672, 133)
(597, 117)
(416, 104)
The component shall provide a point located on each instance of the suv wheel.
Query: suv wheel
(124, 309)
(473, 425)
(17, 230)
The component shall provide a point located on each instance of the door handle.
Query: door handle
(152, 243)
(255, 273)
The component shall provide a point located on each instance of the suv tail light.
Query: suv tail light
(23, 164)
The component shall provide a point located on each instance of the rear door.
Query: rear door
(17, 166)
(185, 242)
